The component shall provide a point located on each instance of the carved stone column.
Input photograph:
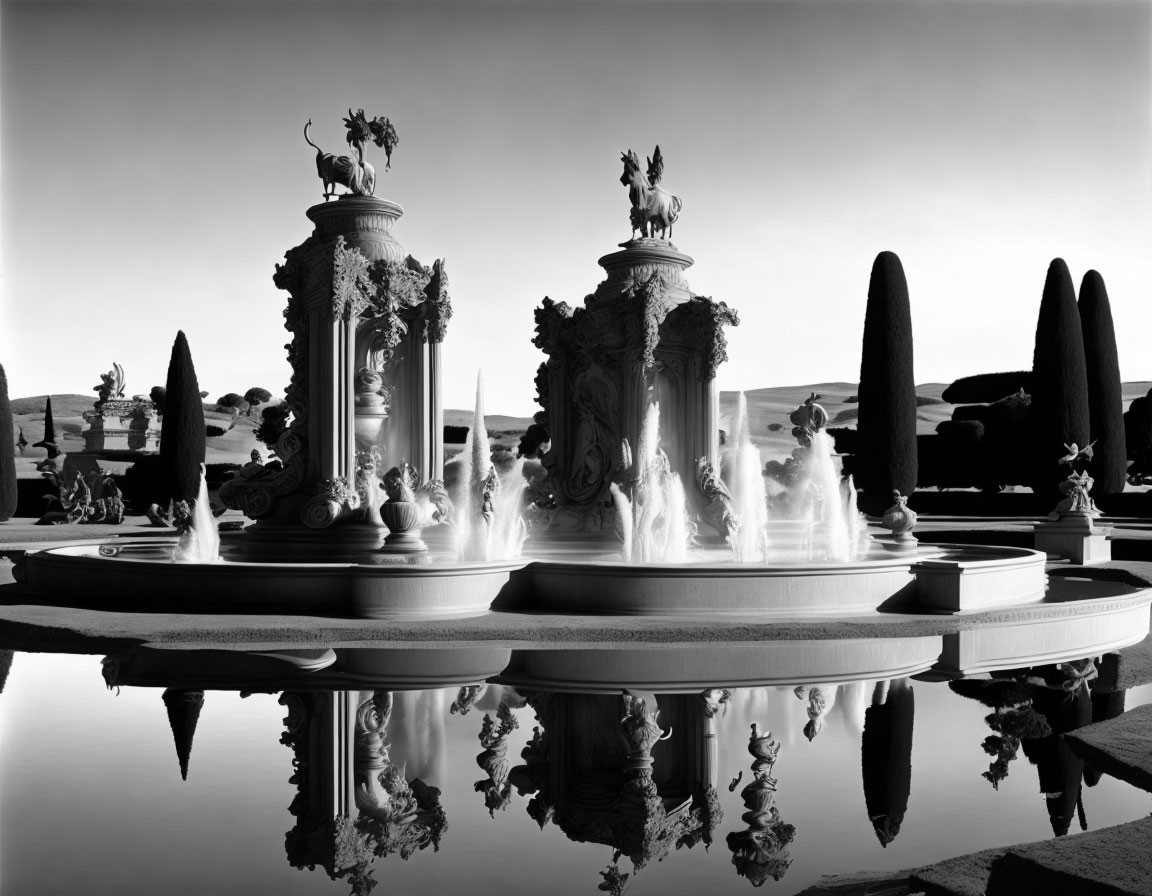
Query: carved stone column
(366, 322)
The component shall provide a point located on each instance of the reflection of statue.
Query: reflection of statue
(652, 207)
(497, 788)
(818, 706)
(760, 851)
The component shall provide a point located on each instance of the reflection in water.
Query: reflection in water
(349, 813)
(183, 713)
(886, 756)
(821, 698)
(635, 772)
(497, 789)
(760, 851)
(1034, 708)
(625, 772)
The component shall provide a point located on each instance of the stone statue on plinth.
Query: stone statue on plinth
(652, 207)
(354, 173)
(1071, 531)
(111, 384)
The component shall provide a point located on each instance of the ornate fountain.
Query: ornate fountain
(642, 337)
(632, 433)
(367, 323)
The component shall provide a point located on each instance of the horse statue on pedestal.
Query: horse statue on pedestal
(652, 207)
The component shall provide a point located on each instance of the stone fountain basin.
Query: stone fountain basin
(948, 578)
(945, 578)
(81, 576)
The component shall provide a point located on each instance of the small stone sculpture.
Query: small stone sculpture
(807, 420)
(111, 384)
(354, 173)
(1076, 490)
(899, 519)
(652, 207)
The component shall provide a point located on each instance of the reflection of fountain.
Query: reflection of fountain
(760, 851)
(489, 521)
(597, 774)
(353, 804)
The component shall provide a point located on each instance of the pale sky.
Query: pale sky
(154, 172)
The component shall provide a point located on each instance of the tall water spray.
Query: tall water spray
(489, 522)
(201, 543)
(652, 508)
(826, 505)
(749, 541)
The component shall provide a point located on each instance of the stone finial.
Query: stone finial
(899, 519)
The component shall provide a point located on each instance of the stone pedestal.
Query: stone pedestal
(1076, 537)
(122, 424)
(366, 322)
(642, 337)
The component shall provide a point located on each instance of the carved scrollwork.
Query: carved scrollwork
(332, 499)
(700, 322)
(438, 308)
(351, 284)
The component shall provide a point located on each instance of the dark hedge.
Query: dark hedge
(1059, 413)
(886, 431)
(1105, 402)
(182, 435)
(8, 493)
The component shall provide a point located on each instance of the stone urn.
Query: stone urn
(403, 521)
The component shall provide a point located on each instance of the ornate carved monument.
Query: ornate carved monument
(642, 337)
(117, 423)
(367, 321)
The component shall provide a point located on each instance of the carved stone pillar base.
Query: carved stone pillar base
(1076, 538)
(266, 542)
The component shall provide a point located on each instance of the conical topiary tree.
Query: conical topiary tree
(885, 457)
(1059, 414)
(7, 454)
(182, 435)
(49, 440)
(1105, 403)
